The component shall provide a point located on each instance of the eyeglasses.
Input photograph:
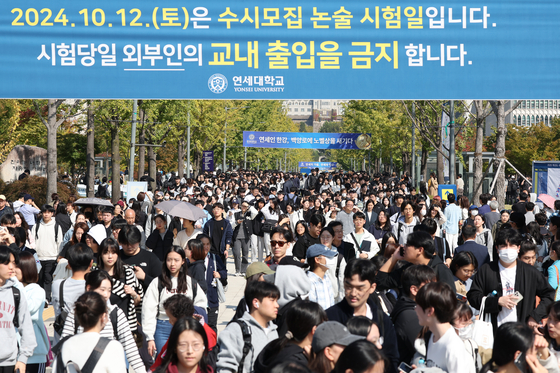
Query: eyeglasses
(279, 243)
(183, 347)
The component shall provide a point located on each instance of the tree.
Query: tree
(331, 127)
(52, 122)
(500, 152)
(90, 151)
(10, 111)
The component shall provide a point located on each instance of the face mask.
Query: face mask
(474, 212)
(331, 263)
(343, 195)
(508, 255)
(466, 332)
(209, 194)
(166, 197)
(423, 212)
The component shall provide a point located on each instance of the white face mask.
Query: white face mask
(474, 212)
(343, 195)
(508, 255)
(465, 332)
(423, 212)
(331, 263)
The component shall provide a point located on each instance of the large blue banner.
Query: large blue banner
(264, 49)
(306, 140)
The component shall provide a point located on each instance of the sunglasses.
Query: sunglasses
(279, 243)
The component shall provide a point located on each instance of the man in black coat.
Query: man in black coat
(479, 251)
(419, 249)
(359, 300)
(404, 316)
(508, 275)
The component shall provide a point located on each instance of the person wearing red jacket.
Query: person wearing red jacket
(176, 307)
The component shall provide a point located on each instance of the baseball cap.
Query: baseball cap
(235, 200)
(258, 267)
(331, 332)
(318, 249)
(2, 197)
(28, 196)
(473, 207)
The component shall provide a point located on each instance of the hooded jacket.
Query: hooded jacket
(9, 353)
(401, 230)
(231, 344)
(407, 327)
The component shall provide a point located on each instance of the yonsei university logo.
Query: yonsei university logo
(217, 83)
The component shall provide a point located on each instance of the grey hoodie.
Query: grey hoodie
(231, 344)
(405, 229)
(9, 351)
(292, 282)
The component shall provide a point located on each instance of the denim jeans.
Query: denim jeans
(163, 329)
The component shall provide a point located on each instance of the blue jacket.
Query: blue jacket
(212, 293)
(479, 251)
(226, 237)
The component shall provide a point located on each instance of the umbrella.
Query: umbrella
(181, 209)
(547, 200)
(93, 202)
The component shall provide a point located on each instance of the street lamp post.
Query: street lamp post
(225, 135)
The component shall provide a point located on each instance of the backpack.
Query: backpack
(17, 297)
(399, 232)
(101, 191)
(247, 346)
(61, 318)
(91, 362)
(38, 225)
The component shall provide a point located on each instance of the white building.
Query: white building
(527, 113)
(324, 109)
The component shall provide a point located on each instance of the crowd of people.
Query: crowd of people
(345, 272)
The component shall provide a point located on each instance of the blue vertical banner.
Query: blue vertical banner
(265, 49)
(208, 160)
(306, 140)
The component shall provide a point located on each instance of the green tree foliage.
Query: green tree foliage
(331, 127)
(535, 143)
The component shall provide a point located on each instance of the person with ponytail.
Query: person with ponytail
(516, 349)
(92, 314)
(101, 282)
(302, 321)
(187, 349)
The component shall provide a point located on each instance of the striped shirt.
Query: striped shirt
(118, 290)
(124, 336)
(321, 290)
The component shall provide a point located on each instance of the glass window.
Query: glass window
(309, 110)
(555, 104)
(523, 123)
(519, 120)
(546, 104)
(532, 104)
(546, 120)
(515, 119)
(532, 119)
(523, 104)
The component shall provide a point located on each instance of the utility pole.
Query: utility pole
(245, 158)
(132, 141)
(225, 145)
(452, 142)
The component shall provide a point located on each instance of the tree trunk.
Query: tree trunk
(141, 153)
(478, 164)
(500, 152)
(52, 172)
(439, 164)
(181, 157)
(90, 157)
(197, 161)
(116, 162)
(424, 163)
(152, 166)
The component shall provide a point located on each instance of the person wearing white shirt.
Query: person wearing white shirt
(445, 349)
(364, 242)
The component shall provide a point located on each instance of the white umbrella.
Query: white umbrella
(181, 209)
(93, 202)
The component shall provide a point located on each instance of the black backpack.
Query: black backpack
(17, 297)
(61, 318)
(247, 346)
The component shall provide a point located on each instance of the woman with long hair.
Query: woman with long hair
(173, 280)
(300, 229)
(92, 315)
(187, 349)
(302, 320)
(463, 266)
(371, 216)
(381, 226)
(26, 273)
(116, 326)
(127, 292)
(78, 236)
(197, 268)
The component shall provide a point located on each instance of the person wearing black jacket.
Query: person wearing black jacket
(404, 316)
(161, 239)
(359, 300)
(241, 238)
(146, 264)
(498, 275)
(419, 249)
(311, 237)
